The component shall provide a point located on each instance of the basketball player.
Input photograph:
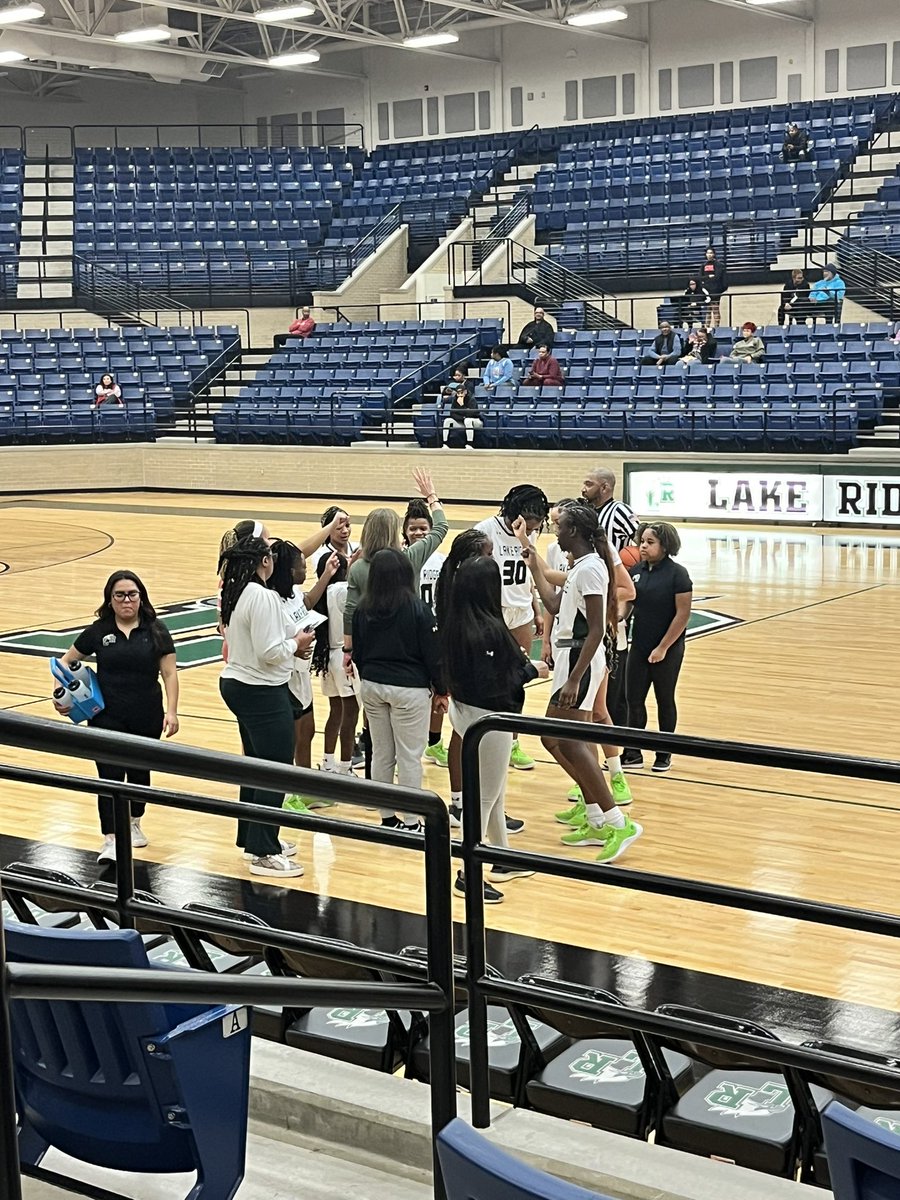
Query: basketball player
(556, 567)
(584, 609)
(339, 686)
(521, 610)
(336, 524)
(287, 579)
(417, 524)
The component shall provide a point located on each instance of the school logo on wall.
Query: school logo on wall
(357, 1018)
(595, 1067)
(192, 623)
(741, 1100)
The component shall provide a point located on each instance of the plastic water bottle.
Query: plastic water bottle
(63, 698)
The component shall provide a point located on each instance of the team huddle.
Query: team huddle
(416, 638)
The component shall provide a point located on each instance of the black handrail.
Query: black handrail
(52, 737)
(424, 310)
(88, 136)
(475, 853)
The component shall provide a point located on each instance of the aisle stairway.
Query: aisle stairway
(48, 214)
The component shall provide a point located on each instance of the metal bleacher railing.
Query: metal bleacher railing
(483, 987)
(61, 141)
(431, 982)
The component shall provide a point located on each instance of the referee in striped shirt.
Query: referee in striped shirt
(620, 524)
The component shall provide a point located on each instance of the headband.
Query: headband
(257, 529)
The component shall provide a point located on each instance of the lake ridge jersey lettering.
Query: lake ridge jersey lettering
(759, 495)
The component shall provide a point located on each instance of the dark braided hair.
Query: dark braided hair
(584, 522)
(416, 510)
(525, 500)
(330, 513)
(468, 544)
(321, 655)
(286, 556)
(237, 567)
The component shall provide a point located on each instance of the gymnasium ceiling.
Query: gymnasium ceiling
(222, 42)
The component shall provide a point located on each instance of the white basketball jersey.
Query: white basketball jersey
(294, 611)
(428, 578)
(514, 573)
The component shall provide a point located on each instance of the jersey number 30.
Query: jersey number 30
(514, 571)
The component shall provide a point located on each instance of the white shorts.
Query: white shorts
(515, 618)
(337, 683)
(564, 660)
(301, 685)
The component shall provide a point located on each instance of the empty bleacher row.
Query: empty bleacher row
(816, 389)
(879, 222)
(666, 1086)
(328, 387)
(649, 196)
(48, 377)
(12, 175)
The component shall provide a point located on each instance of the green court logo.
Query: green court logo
(743, 1100)
(193, 625)
(595, 1067)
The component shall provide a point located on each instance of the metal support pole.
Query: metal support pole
(124, 860)
(476, 957)
(10, 1177)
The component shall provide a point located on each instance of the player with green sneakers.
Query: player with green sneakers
(585, 608)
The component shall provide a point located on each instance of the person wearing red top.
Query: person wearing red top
(545, 370)
(300, 327)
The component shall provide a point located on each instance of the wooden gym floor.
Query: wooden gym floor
(794, 646)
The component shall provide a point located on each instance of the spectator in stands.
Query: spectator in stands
(300, 327)
(460, 384)
(498, 370)
(667, 348)
(827, 295)
(108, 390)
(462, 414)
(545, 370)
(713, 278)
(538, 332)
(796, 144)
(894, 336)
(794, 304)
(693, 303)
(749, 348)
(701, 348)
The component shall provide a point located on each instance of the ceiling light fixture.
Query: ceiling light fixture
(146, 33)
(20, 12)
(290, 12)
(760, 3)
(294, 58)
(422, 41)
(12, 56)
(597, 16)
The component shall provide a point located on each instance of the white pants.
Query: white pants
(493, 760)
(470, 424)
(398, 726)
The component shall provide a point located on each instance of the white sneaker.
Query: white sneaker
(276, 865)
(288, 850)
(108, 849)
(139, 839)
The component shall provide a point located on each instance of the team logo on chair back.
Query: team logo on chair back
(500, 1033)
(743, 1100)
(357, 1018)
(596, 1067)
(891, 1124)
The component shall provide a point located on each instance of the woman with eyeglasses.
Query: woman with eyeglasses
(132, 648)
(660, 615)
(255, 685)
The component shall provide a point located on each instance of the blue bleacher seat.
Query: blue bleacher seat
(475, 1169)
(863, 1159)
(149, 1088)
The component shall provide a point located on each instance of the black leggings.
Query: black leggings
(663, 677)
(145, 720)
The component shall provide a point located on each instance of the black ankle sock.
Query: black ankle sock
(434, 737)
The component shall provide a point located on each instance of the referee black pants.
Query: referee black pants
(641, 675)
(266, 722)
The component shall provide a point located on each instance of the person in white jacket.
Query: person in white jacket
(255, 686)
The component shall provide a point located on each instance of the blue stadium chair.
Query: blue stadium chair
(474, 1169)
(148, 1088)
(863, 1160)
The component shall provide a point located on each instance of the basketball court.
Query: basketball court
(791, 644)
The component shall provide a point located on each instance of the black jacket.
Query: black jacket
(462, 403)
(537, 333)
(795, 142)
(668, 345)
(712, 276)
(400, 649)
